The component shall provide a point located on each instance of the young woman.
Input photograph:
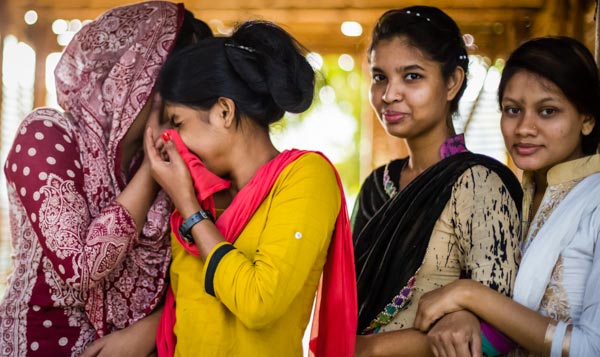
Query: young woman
(550, 100)
(89, 232)
(244, 284)
(424, 221)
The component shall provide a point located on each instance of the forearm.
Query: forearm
(146, 330)
(408, 342)
(521, 324)
(138, 196)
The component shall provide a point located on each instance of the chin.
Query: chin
(528, 164)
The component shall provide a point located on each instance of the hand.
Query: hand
(437, 303)
(456, 335)
(156, 123)
(170, 171)
(121, 343)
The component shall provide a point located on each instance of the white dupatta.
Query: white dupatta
(574, 216)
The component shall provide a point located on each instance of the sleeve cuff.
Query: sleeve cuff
(213, 260)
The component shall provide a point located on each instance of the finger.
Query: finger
(447, 346)
(92, 350)
(155, 111)
(418, 321)
(149, 148)
(420, 318)
(170, 149)
(476, 348)
(434, 350)
(462, 347)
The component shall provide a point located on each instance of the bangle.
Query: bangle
(185, 230)
(548, 337)
(566, 345)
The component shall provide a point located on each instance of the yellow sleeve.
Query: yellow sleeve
(302, 210)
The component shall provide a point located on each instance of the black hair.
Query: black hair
(433, 32)
(568, 64)
(260, 67)
(191, 31)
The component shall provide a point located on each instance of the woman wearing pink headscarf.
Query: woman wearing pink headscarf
(89, 225)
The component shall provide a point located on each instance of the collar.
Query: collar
(568, 171)
(453, 145)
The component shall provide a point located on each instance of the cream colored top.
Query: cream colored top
(476, 235)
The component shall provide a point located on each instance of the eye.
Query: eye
(548, 112)
(378, 77)
(412, 76)
(174, 124)
(511, 111)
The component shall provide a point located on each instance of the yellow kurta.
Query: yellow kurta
(266, 286)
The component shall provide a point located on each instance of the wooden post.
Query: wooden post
(43, 41)
(597, 37)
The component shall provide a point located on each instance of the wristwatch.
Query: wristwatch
(185, 230)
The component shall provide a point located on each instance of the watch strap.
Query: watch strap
(185, 229)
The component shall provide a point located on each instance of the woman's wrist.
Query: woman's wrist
(189, 207)
(465, 292)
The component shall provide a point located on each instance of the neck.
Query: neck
(253, 151)
(424, 151)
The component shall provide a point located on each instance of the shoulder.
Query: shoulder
(391, 169)
(308, 171)
(310, 165)
(485, 171)
(46, 120)
(480, 183)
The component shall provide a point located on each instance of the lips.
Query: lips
(393, 117)
(526, 149)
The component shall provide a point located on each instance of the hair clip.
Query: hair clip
(417, 14)
(240, 47)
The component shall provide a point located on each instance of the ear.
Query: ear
(588, 125)
(225, 109)
(455, 82)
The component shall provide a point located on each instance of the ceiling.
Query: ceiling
(497, 25)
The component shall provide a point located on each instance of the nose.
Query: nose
(393, 93)
(527, 125)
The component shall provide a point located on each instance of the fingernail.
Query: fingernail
(165, 136)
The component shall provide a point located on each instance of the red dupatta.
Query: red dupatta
(334, 321)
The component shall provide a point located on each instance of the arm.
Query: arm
(456, 334)
(51, 194)
(260, 290)
(293, 244)
(523, 325)
(585, 338)
(407, 342)
(488, 246)
(137, 339)
(487, 228)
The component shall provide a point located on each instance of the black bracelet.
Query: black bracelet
(185, 230)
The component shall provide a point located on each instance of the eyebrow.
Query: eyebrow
(541, 101)
(409, 68)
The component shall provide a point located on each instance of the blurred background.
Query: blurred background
(336, 32)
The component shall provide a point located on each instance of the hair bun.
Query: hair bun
(271, 61)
